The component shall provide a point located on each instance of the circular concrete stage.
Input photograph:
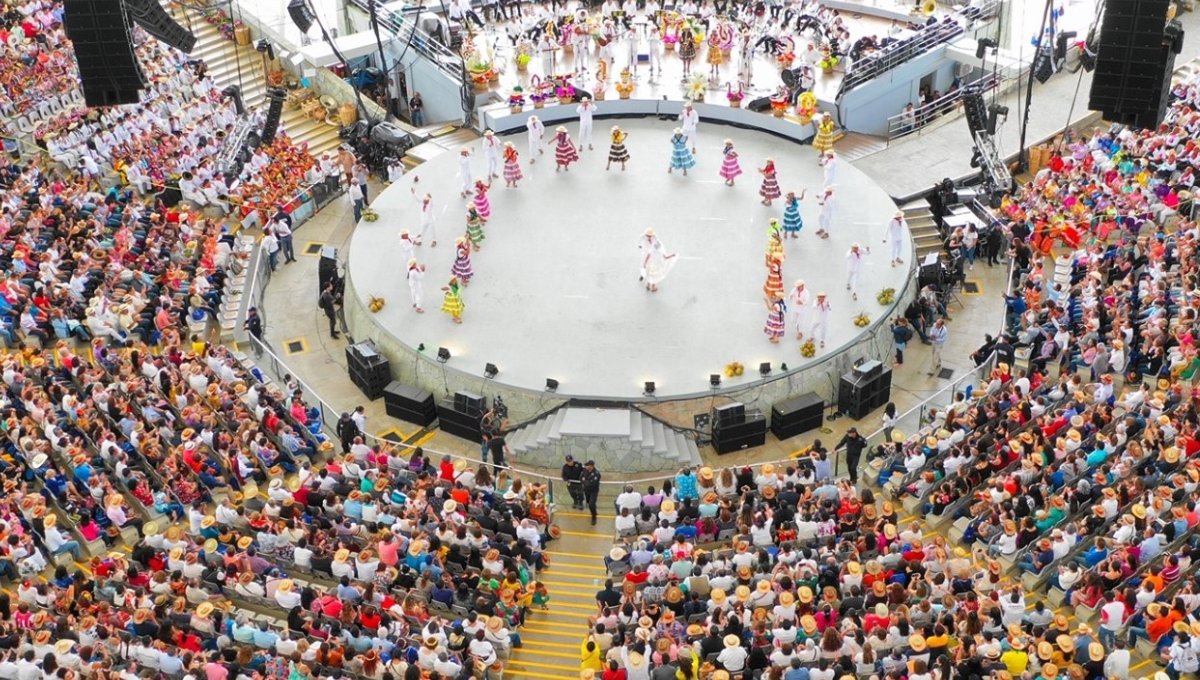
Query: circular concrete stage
(556, 291)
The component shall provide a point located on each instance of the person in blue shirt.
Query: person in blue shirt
(353, 505)
(1097, 553)
(796, 671)
(1034, 561)
(264, 637)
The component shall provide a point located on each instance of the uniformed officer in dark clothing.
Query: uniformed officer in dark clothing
(590, 480)
(572, 473)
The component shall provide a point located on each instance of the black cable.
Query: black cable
(1022, 152)
(362, 108)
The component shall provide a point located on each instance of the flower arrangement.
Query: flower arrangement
(522, 61)
(540, 91)
(694, 87)
(735, 98)
(734, 369)
(862, 320)
(785, 59)
(806, 106)
(828, 61)
(886, 296)
(779, 105)
(221, 20)
(625, 84)
(565, 92)
(516, 99)
(809, 349)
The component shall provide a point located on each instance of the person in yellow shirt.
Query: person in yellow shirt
(589, 653)
(1016, 659)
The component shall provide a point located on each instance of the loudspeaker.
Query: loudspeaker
(729, 414)
(471, 404)
(797, 416)
(409, 403)
(759, 105)
(976, 109)
(108, 68)
(326, 268)
(150, 15)
(858, 395)
(1135, 59)
(301, 15)
(276, 95)
(369, 370)
(735, 437)
(459, 424)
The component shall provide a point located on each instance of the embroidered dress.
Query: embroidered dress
(730, 168)
(681, 156)
(792, 222)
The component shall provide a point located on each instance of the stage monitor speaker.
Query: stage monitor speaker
(457, 423)
(752, 432)
(1134, 62)
(469, 403)
(109, 71)
(150, 15)
(759, 105)
(409, 403)
(797, 416)
(729, 414)
(301, 15)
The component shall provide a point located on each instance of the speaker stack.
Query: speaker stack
(735, 429)
(409, 403)
(460, 415)
(326, 268)
(865, 389)
(797, 416)
(109, 71)
(369, 370)
(1135, 60)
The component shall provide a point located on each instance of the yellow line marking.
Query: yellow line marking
(396, 431)
(582, 607)
(556, 553)
(1140, 664)
(572, 676)
(551, 666)
(575, 574)
(424, 439)
(409, 438)
(540, 643)
(534, 627)
(558, 655)
(583, 515)
(586, 534)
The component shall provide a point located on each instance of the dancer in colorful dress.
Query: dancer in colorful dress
(416, 289)
(461, 269)
(770, 185)
(687, 49)
(474, 225)
(774, 284)
(537, 137)
(681, 157)
(656, 263)
(776, 313)
(792, 221)
(617, 153)
(564, 149)
(482, 204)
(823, 141)
(774, 240)
(512, 168)
(798, 300)
(730, 168)
(825, 221)
(452, 302)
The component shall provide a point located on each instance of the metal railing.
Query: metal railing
(945, 107)
(897, 53)
(406, 31)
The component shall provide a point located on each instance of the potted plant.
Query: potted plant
(735, 97)
(516, 100)
(625, 85)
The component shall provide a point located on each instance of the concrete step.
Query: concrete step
(672, 445)
(547, 427)
(647, 432)
(660, 438)
(689, 453)
(555, 433)
(635, 425)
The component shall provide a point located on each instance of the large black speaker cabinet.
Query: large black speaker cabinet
(860, 394)
(797, 416)
(409, 403)
(369, 370)
(302, 16)
(729, 414)
(150, 15)
(1136, 56)
(752, 431)
(457, 423)
(108, 68)
(275, 95)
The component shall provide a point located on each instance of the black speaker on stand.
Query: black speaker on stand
(1134, 63)
(109, 71)
(327, 268)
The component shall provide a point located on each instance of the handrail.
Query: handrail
(405, 29)
(924, 115)
(899, 52)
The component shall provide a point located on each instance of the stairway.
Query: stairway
(230, 64)
(927, 238)
(617, 439)
(855, 145)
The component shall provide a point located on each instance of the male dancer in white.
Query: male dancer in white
(416, 273)
(895, 236)
(491, 151)
(537, 137)
(690, 120)
(583, 44)
(428, 225)
(547, 48)
(854, 265)
(820, 326)
(464, 173)
(654, 47)
(830, 163)
(407, 246)
(585, 110)
(825, 220)
(798, 300)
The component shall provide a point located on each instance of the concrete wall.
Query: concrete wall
(610, 453)
(867, 107)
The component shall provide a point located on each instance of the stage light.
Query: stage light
(714, 379)
(490, 371)
(764, 369)
(551, 385)
(443, 355)
(783, 367)
(421, 347)
(650, 387)
(983, 46)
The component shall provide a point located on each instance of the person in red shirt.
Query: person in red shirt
(446, 469)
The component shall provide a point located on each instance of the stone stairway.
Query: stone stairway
(855, 145)
(617, 439)
(231, 64)
(927, 238)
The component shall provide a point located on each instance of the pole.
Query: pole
(1022, 153)
(383, 67)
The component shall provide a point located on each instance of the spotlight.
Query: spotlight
(421, 347)
(443, 355)
(265, 46)
(551, 385)
(650, 387)
(983, 46)
(764, 369)
(490, 371)
(783, 367)
(714, 379)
